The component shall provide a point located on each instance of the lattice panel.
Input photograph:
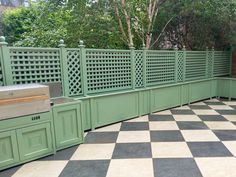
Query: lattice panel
(160, 67)
(180, 66)
(210, 57)
(108, 70)
(138, 68)
(74, 72)
(1, 75)
(221, 63)
(195, 65)
(35, 65)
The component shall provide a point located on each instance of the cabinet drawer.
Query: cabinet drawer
(24, 120)
(68, 125)
(34, 141)
(8, 149)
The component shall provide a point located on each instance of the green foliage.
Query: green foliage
(48, 28)
(95, 25)
(195, 24)
(198, 24)
(16, 22)
(44, 24)
(37, 25)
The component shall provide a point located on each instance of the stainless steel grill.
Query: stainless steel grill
(21, 100)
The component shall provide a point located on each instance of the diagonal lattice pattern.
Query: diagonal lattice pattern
(210, 57)
(180, 66)
(74, 72)
(108, 70)
(138, 68)
(35, 65)
(160, 67)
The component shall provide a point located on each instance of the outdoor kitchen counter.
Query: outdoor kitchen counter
(26, 138)
(29, 137)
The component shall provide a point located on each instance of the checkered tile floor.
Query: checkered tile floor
(198, 140)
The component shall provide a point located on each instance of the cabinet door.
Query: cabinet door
(8, 149)
(35, 141)
(68, 125)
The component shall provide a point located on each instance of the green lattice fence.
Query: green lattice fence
(160, 67)
(108, 70)
(195, 65)
(35, 65)
(74, 72)
(89, 71)
(210, 60)
(180, 66)
(221, 63)
(139, 68)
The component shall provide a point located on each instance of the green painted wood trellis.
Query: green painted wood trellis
(85, 72)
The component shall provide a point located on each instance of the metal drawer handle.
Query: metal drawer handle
(36, 118)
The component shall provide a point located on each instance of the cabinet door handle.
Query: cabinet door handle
(35, 118)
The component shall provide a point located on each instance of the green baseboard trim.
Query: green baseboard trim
(226, 87)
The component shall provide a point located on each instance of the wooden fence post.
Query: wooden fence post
(132, 58)
(176, 64)
(144, 66)
(184, 64)
(213, 60)
(5, 62)
(207, 63)
(64, 69)
(83, 68)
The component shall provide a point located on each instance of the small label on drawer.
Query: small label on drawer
(36, 118)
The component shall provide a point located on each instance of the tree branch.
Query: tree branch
(120, 24)
(163, 29)
(128, 22)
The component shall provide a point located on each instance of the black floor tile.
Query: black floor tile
(234, 107)
(101, 137)
(132, 150)
(224, 99)
(226, 112)
(154, 117)
(176, 167)
(182, 112)
(214, 103)
(166, 136)
(208, 149)
(87, 168)
(188, 125)
(199, 107)
(9, 172)
(133, 126)
(226, 135)
(212, 118)
(64, 154)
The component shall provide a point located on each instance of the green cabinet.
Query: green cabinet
(8, 148)
(68, 124)
(25, 138)
(34, 141)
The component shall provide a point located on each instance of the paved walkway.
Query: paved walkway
(191, 141)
